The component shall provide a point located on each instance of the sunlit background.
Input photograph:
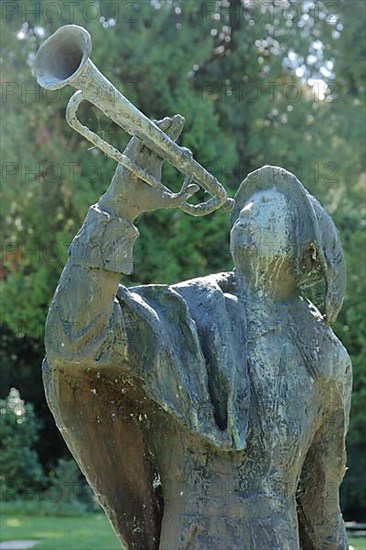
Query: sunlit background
(259, 82)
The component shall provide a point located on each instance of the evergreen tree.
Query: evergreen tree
(19, 465)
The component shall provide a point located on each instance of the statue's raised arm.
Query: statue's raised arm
(211, 413)
(83, 303)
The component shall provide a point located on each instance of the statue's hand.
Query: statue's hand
(128, 196)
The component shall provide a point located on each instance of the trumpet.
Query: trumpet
(64, 58)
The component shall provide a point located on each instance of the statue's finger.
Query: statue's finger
(164, 123)
(134, 146)
(192, 189)
(176, 127)
(176, 200)
(171, 126)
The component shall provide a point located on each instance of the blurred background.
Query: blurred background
(259, 82)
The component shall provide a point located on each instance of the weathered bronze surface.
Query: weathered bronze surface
(212, 413)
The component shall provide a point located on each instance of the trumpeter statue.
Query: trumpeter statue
(210, 413)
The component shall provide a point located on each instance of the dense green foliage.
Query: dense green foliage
(20, 469)
(24, 484)
(277, 82)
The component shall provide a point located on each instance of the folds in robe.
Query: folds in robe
(195, 366)
(180, 349)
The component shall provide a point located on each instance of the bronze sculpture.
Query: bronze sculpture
(211, 413)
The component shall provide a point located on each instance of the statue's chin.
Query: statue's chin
(127, 268)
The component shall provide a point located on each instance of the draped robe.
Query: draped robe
(181, 393)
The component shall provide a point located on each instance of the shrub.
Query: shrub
(20, 469)
(68, 489)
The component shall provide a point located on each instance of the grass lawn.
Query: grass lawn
(88, 532)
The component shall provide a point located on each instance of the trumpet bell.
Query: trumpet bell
(62, 58)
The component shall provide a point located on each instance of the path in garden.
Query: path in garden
(17, 544)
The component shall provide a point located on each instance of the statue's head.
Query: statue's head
(262, 235)
(281, 231)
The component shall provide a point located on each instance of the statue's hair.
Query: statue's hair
(320, 253)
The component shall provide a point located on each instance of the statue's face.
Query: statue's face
(263, 233)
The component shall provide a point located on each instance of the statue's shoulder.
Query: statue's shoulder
(221, 282)
(208, 292)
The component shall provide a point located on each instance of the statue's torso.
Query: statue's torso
(215, 495)
(246, 499)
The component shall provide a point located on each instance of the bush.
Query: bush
(20, 469)
(23, 485)
(69, 490)
(40, 505)
(67, 494)
(353, 488)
